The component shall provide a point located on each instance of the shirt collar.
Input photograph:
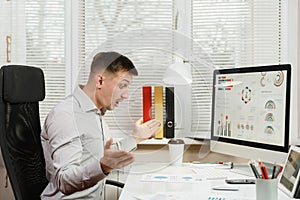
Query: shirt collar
(84, 101)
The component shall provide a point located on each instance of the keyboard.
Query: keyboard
(211, 173)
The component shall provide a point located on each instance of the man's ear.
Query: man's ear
(100, 79)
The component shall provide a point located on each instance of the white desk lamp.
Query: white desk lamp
(179, 76)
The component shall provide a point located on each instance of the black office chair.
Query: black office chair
(21, 89)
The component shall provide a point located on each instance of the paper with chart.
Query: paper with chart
(171, 178)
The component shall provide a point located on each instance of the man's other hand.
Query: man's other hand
(114, 159)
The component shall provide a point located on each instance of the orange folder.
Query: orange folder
(158, 109)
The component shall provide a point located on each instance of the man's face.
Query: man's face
(114, 89)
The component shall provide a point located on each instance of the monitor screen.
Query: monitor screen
(250, 112)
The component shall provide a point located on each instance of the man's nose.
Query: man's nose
(125, 95)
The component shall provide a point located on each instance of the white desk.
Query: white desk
(135, 189)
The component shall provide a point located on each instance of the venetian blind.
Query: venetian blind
(234, 33)
(45, 47)
(224, 34)
(139, 29)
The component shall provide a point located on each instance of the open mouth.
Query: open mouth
(117, 103)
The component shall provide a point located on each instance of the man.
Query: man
(77, 150)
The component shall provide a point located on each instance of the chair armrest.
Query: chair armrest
(114, 183)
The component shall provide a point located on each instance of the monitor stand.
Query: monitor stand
(246, 170)
(243, 169)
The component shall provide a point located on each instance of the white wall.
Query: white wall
(293, 49)
(298, 74)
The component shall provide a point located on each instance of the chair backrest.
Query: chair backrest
(21, 89)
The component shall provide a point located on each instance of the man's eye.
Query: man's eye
(122, 86)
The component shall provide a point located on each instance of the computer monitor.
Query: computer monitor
(250, 112)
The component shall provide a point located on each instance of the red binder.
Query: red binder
(147, 103)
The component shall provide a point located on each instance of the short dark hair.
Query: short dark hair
(112, 62)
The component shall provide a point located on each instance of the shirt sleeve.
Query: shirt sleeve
(128, 143)
(65, 146)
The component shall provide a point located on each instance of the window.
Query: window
(38, 39)
(232, 34)
(139, 29)
(222, 33)
(45, 47)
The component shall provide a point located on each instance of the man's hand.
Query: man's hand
(114, 159)
(143, 131)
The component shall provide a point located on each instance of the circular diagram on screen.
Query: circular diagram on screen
(246, 95)
(278, 80)
(263, 81)
(269, 130)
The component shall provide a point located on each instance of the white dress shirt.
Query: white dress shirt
(73, 143)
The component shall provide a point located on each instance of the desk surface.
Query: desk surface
(136, 189)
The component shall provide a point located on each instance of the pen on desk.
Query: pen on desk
(230, 164)
(255, 172)
(260, 164)
(220, 162)
(273, 171)
(261, 170)
(265, 172)
(279, 171)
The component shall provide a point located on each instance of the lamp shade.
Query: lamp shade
(178, 74)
